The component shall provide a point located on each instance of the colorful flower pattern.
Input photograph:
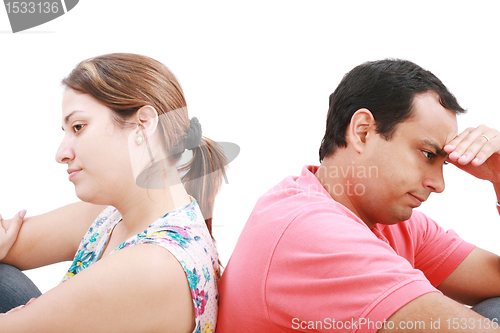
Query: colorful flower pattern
(183, 232)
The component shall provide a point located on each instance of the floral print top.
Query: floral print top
(183, 232)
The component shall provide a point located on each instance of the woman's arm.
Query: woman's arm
(142, 288)
(8, 234)
(51, 237)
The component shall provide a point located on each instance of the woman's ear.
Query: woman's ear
(147, 117)
(360, 129)
(143, 143)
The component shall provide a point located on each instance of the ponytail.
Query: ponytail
(204, 174)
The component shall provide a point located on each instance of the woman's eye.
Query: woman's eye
(78, 127)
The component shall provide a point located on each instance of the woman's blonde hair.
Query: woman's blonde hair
(126, 82)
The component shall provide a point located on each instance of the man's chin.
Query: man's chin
(405, 215)
(402, 215)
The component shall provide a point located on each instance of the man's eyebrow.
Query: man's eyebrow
(66, 119)
(433, 144)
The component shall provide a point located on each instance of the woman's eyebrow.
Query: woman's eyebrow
(66, 119)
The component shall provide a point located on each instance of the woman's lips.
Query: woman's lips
(73, 173)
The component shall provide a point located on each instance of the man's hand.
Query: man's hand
(477, 151)
(8, 236)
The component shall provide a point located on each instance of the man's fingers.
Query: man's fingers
(474, 145)
(478, 151)
(488, 147)
(453, 144)
(464, 141)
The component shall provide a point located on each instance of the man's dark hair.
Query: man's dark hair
(386, 88)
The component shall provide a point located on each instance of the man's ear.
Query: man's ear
(148, 118)
(361, 128)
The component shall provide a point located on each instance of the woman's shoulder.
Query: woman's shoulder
(183, 227)
(183, 233)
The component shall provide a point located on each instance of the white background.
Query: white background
(257, 74)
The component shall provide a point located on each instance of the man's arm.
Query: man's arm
(477, 152)
(475, 279)
(435, 312)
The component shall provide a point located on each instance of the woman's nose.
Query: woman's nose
(65, 151)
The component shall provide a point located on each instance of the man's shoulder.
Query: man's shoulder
(295, 196)
(304, 189)
(306, 216)
(299, 203)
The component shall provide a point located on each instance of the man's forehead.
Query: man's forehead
(434, 121)
(429, 132)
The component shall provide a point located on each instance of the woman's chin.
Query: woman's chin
(87, 196)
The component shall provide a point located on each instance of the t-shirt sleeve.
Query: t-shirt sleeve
(437, 252)
(337, 273)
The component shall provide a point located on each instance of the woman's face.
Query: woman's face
(95, 149)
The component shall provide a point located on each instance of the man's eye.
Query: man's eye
(429, 155)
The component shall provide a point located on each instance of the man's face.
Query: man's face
(409, 166)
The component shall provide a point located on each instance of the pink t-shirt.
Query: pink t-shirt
(304, 261)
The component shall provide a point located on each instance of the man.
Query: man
(340, 247)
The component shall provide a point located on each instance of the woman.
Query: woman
(126, 125)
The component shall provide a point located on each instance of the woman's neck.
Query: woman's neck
(164, 192)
